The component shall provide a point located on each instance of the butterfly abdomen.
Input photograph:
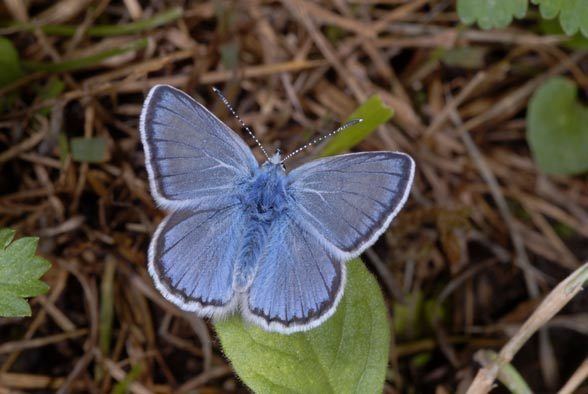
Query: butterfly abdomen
(245, 266)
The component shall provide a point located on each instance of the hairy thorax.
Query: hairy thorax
(265, 195)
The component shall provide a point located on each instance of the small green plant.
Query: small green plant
(348, 353)
(573, 14)
(20, 270)
(557, 128)
(491, 14)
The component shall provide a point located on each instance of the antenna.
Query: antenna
(352, 122)
(243, 125)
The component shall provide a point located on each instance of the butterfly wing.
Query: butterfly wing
(191, 258)
(298, 283)
(193, 159)
(347, 201)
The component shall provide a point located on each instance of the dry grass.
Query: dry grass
(485, 235)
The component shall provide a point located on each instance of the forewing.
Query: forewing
(193, 159)
(298, 282)
(192, 256)
(347, 201)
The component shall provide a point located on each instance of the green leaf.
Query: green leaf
(573, 14)
(373, 112)
(552, 27)
(347, 353)
(465, 57)
(90, 150)
(6, 237)
(557, 128)
(10, 69)
(491, 14)
(20, 271)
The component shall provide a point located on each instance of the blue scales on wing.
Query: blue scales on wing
(298, 282)
(192, 256)
(348, 200)
(193, 159)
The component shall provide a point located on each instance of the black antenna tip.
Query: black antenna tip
(215, 89)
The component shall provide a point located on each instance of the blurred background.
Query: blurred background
(489, 102)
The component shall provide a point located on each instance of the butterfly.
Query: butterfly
(254, 238)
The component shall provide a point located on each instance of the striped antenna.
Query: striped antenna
(352, 122)
(243, 125)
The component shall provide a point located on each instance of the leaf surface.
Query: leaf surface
(373, 112)
(346, 354)
(557, 128)
(20, 271)
(10, 68)
(491, 14)
(573, 14)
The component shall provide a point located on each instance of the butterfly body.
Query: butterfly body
(264, 199)
(252, 238)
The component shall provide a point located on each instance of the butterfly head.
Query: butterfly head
(276, 160)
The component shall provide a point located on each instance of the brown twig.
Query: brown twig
(552, 304)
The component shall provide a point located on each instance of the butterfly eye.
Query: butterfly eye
(283, 166)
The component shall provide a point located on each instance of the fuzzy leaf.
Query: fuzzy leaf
(20, 271)
(373, 112)
(491, 14)
(557, 128)
(348, 353)
(573, 14)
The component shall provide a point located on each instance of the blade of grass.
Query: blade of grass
(552, 304)
(507, 374)
(87, 61)
(373, 112)
(106, 313)
(160, 19)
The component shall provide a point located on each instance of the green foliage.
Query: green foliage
(373, 112)
(10, 69)
(122, 29)
(491, 14)
(348, 353)
(414, 317)
(86, 61)
(90, 150)
(20, 271)
(464, 57)
(557, 128)
(573, 14)
(552, 27)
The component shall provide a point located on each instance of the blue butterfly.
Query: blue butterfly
(254, 238)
